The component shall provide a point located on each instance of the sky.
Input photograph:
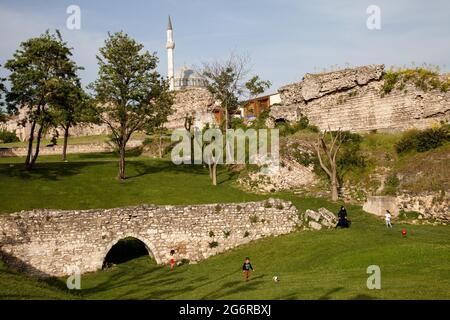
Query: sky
(283, 39)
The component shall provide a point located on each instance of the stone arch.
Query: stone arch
(151, 249)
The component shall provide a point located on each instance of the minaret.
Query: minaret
(170, 46)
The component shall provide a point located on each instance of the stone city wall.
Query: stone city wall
(71, 148)
(353, 99)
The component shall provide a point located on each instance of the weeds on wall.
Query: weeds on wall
(425, 78)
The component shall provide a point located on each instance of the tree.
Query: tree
(330, 149)
(256, 86)
(70, 106)
(226, 83)
(130, 94)
(36, 68)
(2, 90)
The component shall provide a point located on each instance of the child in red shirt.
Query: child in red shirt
(172, 260)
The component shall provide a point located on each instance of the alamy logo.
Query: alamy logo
(374, 20)
(73, 22)
(213, 147)
(74, 279)
(374, 280)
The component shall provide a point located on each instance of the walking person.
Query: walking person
(342, 216)
(387, 218)
(246, 268)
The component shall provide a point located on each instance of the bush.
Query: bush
(8, 136)
(391, 184)
(424, 78)
(237, 123)
(350, 156)
(421, 141)
(291, 128)
(213, 244)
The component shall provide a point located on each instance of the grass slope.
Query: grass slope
(328, 264)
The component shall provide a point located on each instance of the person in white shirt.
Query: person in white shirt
(387, 218)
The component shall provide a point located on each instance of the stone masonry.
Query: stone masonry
(51, 242)
(196, 102)
(353, 99)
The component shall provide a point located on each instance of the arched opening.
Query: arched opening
(124, 250)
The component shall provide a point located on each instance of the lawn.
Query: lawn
(328, 264)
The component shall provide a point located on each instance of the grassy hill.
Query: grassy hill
(328, 264)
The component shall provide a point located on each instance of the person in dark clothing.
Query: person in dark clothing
(246, 268)
(343, 221)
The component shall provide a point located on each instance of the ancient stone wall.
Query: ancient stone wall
(22, 130)
(71, 148)
(353, 99)
(196, 102)
(48, 242)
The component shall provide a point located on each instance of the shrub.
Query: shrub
(237, 123)
(391, 184)
(291, 128)
(211, 234)
(8, 136)
(184, 261)
(405, 215)
(246, 234)
(350, 156)
(421, 141)
(424, 78)
(279, 206)
(218, 208)
(253, 219)
(213, 244)
(226, 233)
(267, 204)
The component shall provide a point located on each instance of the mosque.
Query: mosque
(184, 77)
(189, 85)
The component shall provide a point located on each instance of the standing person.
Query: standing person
(387, 218)
(246, 268)
(173, 261)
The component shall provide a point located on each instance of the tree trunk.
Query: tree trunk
(334, 186)
(210, 171)
(160, 146)
(38, 144)
(30, 146)
(66, 138)
(226, 119)
(121, 174)
(214, 174)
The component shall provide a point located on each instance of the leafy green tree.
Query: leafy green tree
(70, 105)
(36, 68)
(256, 86)
(130, 94)
(226, 83)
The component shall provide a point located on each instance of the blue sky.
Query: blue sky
(284, 39)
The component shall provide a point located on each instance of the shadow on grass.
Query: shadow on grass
(45, 171)
(327, 296)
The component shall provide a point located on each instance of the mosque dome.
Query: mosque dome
(188, 78)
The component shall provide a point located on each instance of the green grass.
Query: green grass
(72, 140)
(89, 181)
(328, 264)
